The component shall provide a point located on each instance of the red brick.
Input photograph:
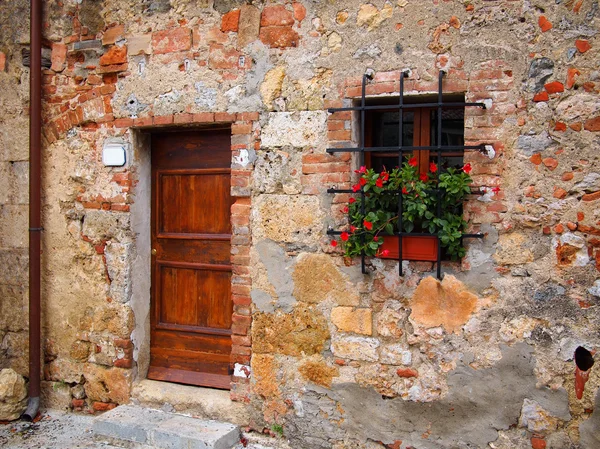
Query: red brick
(223, 58)
(576, 126)
(559, 228)
(123, 363)
(142, 121)
(560, 193)
(572, 226)
(204, 117)
(591, 196)
(554, 87)
(224, 117)
(592, 124)
(183, 118)
(163, 120)
(536, 159)
(114, 68)
(538, 443)
(560, 126)
(58, 57)
(550, 163)
(113, 34)
(582, 45)
(241, 340)
(299, 11)
(279, 36)
(230, 21)
(248, 116)
(276, 15)
(345, 134)
(545, 24)
(571, 74)
(103, 406)
(541, 96)
(78, 403)
(242, 300)
(241, 129)
(580, 216)
(2, 62)
(168, 41)
(331, 167)
(114, 55)
(407, 372)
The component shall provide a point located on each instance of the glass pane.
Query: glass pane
(453, 126)
(386, 134)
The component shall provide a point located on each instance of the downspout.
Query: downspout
(35, 225)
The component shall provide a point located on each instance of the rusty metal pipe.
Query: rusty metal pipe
(35, 206)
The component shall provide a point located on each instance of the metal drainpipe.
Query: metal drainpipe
(35, 225)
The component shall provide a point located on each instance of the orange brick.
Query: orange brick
(544, 23)
(204, 117)
(541, 96)
(582, 45)
(224, 117)
(163, 120)
(554, 87)
(183, 118)
(168, 41)
(230, 21)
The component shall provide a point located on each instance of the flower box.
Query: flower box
(413, 248)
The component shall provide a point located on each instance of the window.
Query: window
(419, 129)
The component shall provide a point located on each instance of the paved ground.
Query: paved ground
(60, 430)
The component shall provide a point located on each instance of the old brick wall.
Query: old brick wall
(338, 358)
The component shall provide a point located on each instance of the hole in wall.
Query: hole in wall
(583, 358)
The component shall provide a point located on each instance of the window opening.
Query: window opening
(433, 130)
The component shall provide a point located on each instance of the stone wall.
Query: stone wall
(338, 358)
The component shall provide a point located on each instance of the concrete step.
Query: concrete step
(138, 427)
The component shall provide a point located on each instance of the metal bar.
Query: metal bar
(35, 226)
(406, 149)
(400, 155)
(406, 106)
(361, 144)
(439, 165)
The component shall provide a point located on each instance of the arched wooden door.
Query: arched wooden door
(191, 306)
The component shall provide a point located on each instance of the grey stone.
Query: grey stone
(88, 45)
(534, 143)
(595, 289)
(589, 430)
(278, 267)
(571, 52)
(590, 183)
(539, 71)
(370, 52)
(164, 430)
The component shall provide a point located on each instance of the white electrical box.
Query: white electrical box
(113, 154)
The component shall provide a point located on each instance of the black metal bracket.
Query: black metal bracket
(401, 149)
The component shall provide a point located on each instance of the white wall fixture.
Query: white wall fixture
(113, 154)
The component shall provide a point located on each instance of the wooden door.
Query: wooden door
(191, 308)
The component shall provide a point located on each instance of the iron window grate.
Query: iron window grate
(439, 149)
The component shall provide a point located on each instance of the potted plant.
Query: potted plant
(431, 204)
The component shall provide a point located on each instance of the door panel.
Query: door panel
(191, 312)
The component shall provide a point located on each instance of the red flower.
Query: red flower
(345, 210)
(385, 253)
(344, 236)
(385, 175)
(404, 190)
(334, 243)
(413, 162)
(423, 177)
(467, 168)
(375, 239)
(356, 187)
(353, 228)
(379, 182)
(363, 169)
(496, 190)
(362, 181)
(432, 167)
(368, 225)
(352, 200)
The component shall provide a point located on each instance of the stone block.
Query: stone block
(139, 44)
(356, 348)
(295, 129)
(349, 319)
(13, 395)
(447, 303)
(248, 26)
(513, 249)
(303, 331)
(316, 278)
(114, 55)
(317, 371)
(288, 219)
(107, 384)
(395, 354)
(279, 37)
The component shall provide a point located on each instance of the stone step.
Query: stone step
(204, 403)
(139, 427)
